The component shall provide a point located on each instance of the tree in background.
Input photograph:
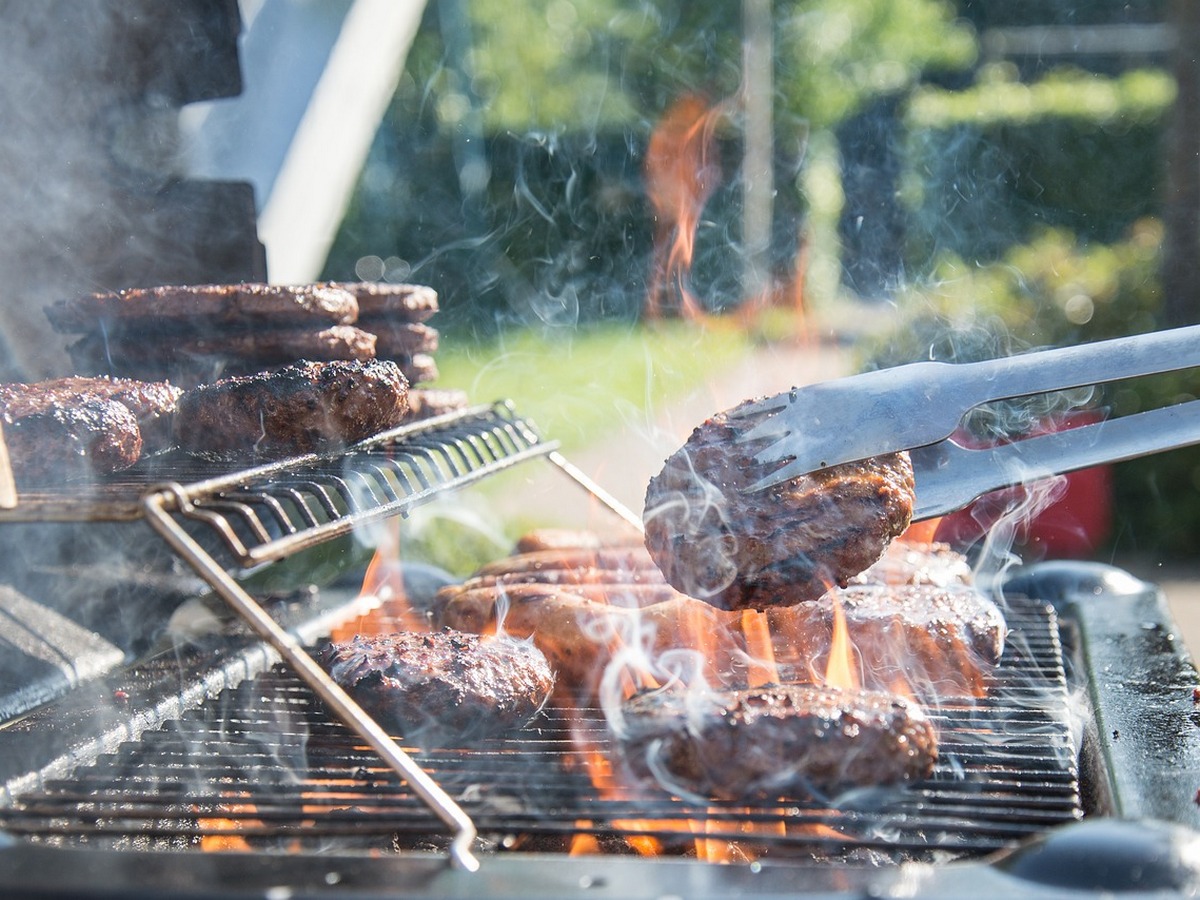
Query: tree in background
(543, 110)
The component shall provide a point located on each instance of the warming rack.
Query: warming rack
(267, 513)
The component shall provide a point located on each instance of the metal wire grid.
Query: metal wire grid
(265, 768)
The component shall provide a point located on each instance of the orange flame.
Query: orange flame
(924, 532)
(762, 668)
(682, 171)
(383, 579)
(840, 670)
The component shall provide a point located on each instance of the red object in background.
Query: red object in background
(1072, 526)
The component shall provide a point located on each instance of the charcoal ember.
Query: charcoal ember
(442, 687)
(716, 540)
(774, 741)
(91, 437)
(302, 408)
(937, 641)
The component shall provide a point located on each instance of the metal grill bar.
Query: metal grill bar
(268, 765)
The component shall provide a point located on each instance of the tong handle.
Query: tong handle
(915, 405)
(949, 476)
(1071, 367)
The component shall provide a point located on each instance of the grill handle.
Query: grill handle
(155, 505)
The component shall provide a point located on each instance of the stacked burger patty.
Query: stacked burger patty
(195, 334)
(241, 371)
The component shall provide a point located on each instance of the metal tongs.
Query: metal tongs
(917, 407)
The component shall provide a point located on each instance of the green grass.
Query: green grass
(575, 385)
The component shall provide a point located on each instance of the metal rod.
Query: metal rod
(8, 487)
(155, 506)
(577, 475)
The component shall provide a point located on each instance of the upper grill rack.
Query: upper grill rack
(284, 510)
(268, 512)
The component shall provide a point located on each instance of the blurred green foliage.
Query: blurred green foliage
(995, 164)
(508, 171)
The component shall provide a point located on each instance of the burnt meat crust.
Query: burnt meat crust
(715, 540)
(160, 309)
(774, 741)
(443, 686)
(301, 408)
(151, 402)
(91, 437)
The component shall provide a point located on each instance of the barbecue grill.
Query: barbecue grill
(227, 765)
(224, 764)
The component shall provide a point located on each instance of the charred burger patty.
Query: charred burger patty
(715, 540)
(301, 408)
(772, 741)
(444, 686)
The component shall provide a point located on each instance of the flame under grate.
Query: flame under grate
(264, 768)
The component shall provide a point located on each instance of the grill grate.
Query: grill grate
(263, 767)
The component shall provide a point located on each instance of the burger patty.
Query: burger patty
(425, 403)
(260, 346)
(151, 403)
(296, 409)
(715, 540)
(402, 339)
(774, 741)
(199, 306)
(938, 641)
(441, 687)
(392, 302)
(57, 441)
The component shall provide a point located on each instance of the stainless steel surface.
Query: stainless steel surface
(949, 477)
(919, 404)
